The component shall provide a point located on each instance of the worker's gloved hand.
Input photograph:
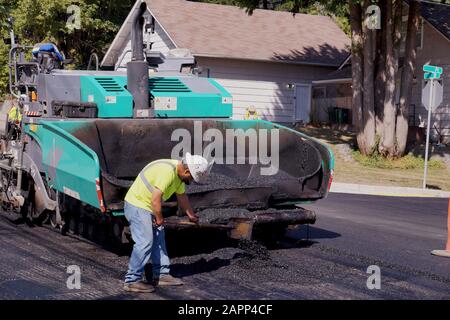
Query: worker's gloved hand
(193, 218)
(158, 222)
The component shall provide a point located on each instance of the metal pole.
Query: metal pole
(425, 172)
(20, 155)
(13, 40)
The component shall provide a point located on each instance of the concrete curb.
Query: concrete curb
(337, 187)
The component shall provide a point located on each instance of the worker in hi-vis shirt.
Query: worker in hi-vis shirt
(156, 183)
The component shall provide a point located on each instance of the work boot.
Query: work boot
(138, 287)
(167, 280)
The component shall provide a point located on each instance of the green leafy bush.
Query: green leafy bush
(46, 20)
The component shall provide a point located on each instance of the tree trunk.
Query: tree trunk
(380, 70)
(264, 4)
(369, 97)
(387, 143)
(397, 36)
(357, 71)
(409, 68)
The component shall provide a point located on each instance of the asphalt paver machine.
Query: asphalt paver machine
(83, 136)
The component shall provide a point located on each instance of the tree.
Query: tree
(380, 71)
(369, 89)
(45, 20)
(407, 76)
(5, 8)
(357, 70)
(391, 123)
(380, 127)
(392, 26)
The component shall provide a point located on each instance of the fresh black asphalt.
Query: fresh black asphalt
(352, 232)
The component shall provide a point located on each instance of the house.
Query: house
(267, 61)
(332, 95)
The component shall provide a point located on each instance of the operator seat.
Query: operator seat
(48, 57)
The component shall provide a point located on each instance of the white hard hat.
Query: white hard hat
(198, 167)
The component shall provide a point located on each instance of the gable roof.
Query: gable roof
(438, 15)
(222, 31)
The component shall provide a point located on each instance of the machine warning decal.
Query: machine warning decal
(91, 98)
(71, 193)
(142, 113)
(111, 99)
(227, 100)
(165, 103)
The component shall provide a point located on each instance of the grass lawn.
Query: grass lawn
(355, 172)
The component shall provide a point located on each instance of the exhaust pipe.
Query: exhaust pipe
(137, 68)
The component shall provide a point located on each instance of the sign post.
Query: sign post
(425, 172)
(432, 95)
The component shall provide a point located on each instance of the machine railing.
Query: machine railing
(22, 77)
(93, 56)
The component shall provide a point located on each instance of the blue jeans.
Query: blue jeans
(149, 242)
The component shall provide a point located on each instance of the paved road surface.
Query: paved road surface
(352, 232)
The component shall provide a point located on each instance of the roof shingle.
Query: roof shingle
(227, 31)
(438, 15)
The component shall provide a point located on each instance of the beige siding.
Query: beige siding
(263, 85)
(161, 42)
(436, 51)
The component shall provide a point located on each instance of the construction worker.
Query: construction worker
(14, 120)
(14, 114)
(50, 50)
(251, 113)
(156, 183)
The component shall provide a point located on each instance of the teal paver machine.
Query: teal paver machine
(82, 137)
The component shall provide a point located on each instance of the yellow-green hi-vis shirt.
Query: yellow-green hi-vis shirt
(161, 174)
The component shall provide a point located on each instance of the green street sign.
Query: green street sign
(432, 72)
(428, 76)
(432, 69)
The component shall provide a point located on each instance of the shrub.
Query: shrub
(407, 162)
